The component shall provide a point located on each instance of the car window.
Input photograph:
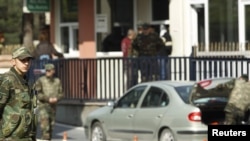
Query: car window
(155, 97)
(130, 100)
(184, 92)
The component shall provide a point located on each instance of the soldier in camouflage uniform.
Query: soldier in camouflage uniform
(148, 45)
(16, 100)
(239, 101)
(49, 92)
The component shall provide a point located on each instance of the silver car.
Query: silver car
(151, 111)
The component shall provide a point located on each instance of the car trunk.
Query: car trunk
(211, 103)
(212, 114)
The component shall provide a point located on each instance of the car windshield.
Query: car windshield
(184, 92)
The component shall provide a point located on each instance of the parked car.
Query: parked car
(150, 111)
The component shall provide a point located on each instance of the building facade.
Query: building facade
(79, 27)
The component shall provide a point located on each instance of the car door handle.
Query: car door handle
(131, 115)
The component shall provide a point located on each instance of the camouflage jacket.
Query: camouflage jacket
(148, 45)
(240, 95)
(47, 88)
(17, 117)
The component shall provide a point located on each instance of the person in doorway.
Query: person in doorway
(126, 43)
(167, 39)
(17, 102)
(49, 92)
(112, 42)
(164, 53)
(45, 49)
(129, 66)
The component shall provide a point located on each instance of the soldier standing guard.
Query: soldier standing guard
(16, 100)
(49, 92)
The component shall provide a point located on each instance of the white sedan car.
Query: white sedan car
(151, 111)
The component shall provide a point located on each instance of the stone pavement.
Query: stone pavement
(73, 133)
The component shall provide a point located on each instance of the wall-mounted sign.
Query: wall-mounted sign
(38, 5)
(101, 23)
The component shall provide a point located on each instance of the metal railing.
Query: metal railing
(103, 79)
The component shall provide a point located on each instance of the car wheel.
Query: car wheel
(166, 135)
(97, 133)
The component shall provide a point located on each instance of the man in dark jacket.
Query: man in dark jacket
(45, 49)
(148, 44)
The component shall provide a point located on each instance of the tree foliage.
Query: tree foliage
(11, 20)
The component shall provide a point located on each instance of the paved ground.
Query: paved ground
(73, 133)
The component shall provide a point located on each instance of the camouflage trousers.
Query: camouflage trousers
(233, 115)
(47, 120)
